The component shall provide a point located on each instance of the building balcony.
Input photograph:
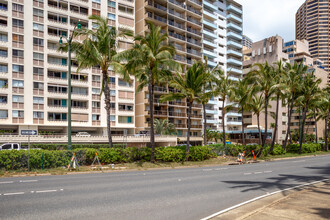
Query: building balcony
(234, 114)
(233, 78)
(211, 63)
(206, 42)
(235, 18)
(212, 102)
(210, 14)
(211, 121)
(199, 3)
(177, 114)
(234, 52)
(210, 24)
(210, 5)
(234, 123)
(209, 33)
(234, 35)
(234, 44)
(177, 3)
(209, 53)
(234, 70)
(211, 112)
(234, 27)
(234, 61)
(234, 9)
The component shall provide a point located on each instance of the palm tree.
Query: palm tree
(242, 95)
(292, 79)
(309, 93)
(324, 113)
(263, 79)
(98, 49)
(190, 85)
(163, 127)
(278, 72)
(150, 60)
(257, 106)
(223, 89)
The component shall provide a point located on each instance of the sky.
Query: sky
(266, 18)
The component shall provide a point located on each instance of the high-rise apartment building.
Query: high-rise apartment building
(312, 24)
(247, 42)
(34, 75)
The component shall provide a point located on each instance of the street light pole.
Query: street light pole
(69, 40)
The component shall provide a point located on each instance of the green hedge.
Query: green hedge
(13, 160)
(306, 148)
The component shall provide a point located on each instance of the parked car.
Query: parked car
(83, 134)
(12, 146)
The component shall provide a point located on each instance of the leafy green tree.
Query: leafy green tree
(324, 113)
(99, 49)
(163, 127)
(190, 85)
(150, 61)
(257, 106)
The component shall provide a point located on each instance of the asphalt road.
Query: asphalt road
(191, 193)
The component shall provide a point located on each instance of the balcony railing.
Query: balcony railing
(196, 1)
(193, 41)
(194, 31)
(194, 10)
(178, 36)
(177, 3)
(194, 21)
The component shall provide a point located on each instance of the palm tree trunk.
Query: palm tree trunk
(315, 125)
(266, 121)
(107, 104)
(204, 115)
(188, 134)
(243, 135)
(152, 131)
(302, 133)
(288, 132)
(258, 120)
(326, 134)
(223, 122)
(276, 123)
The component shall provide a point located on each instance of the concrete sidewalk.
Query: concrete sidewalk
(308, 203)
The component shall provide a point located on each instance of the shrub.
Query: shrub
(170, 154)
(200, 153)
(278, 150)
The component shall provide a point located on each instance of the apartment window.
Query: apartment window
(18, 23)
(3, 21)
(56, 74)
(3, 114)
(95, 26)
(125, 9)
(112, 118)
(38, 85)
(38, 27)
(3, 83)
(111, 16)
(38, 12)
(96, 104)
(96, 78)
(38, 100)
(79, 91)
(96, 117)
(3, 53)
(3, 6)
(57, 89)
(38, 42)
(97, 1)
(18, 68)
(18, 114)
(125, 107)
(112, 92)
(57, 61)
(38, 71)
(3, 99)
(18, 98)
(112, 4)
(3, 68)
(38, 115)
(125, 119)
(96, 91)
(3, 37)
(18, 38)
(124, 83)
(112, 105)
(57, 116)
(38, 56)
(18, 53)
(17, 7)
(18, 83)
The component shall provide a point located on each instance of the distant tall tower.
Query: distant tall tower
(312, 24)
(247, 42)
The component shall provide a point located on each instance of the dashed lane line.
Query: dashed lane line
(27, 181)
(11, 194)
(6, 182)
(45, 191)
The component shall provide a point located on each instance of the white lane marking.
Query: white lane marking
(257, 172)
(10, 194)
(179, 180)
(221, 169)
(268, 171)
(247, 173)
(44, 191)
(260, 197)
(297, 161)
(207, 169)
(6, 182)
(27, 181)
(61, 189)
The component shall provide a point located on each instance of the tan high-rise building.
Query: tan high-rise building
(312, 24)
(34, 75)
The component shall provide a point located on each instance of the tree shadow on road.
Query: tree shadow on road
(280, 182)
(324, 213)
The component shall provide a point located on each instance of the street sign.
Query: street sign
(29, 132)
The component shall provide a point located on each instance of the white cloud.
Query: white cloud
(266, 18)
